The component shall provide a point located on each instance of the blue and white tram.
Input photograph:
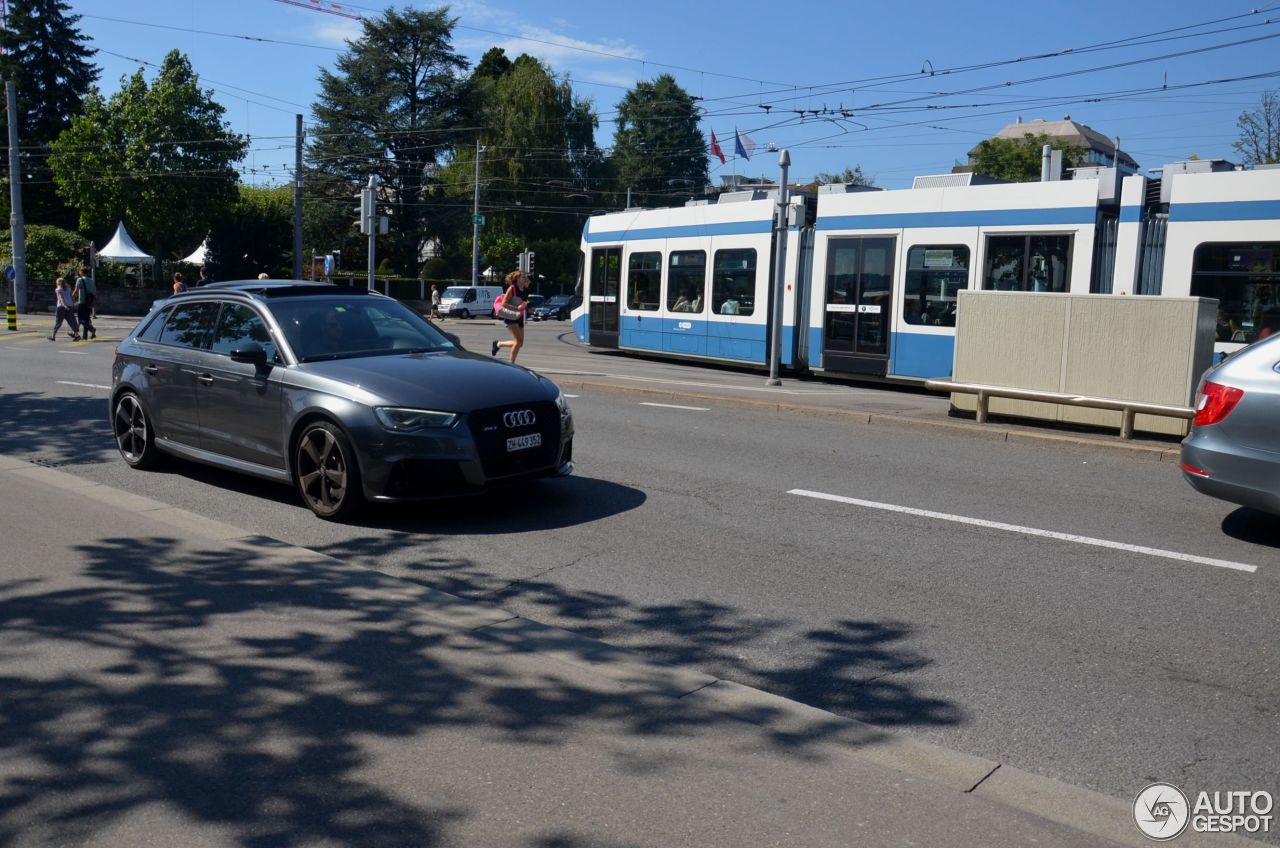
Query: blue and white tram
(690, 281)
(871, 277)
(888, 264)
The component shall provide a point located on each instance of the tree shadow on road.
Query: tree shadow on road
(55, 431)
(259, 695)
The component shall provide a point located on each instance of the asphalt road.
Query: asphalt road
(682, 536)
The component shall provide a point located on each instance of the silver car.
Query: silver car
(1233, 452)
(345, 394)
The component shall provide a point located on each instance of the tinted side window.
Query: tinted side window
(934, 274)
(643, 273)
(189, 325)
(151, 332)
(733, 288)
(686, 280)
(238, 326)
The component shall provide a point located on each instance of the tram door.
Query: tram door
(602, 295)
(856, 328)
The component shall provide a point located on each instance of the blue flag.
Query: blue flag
(743, 145)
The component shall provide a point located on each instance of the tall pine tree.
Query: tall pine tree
(398, 102)
(48, 58)
(658, 150)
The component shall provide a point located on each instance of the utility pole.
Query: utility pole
(475, 222)
(371, 198)
(16, 224)
(297, 199)
(779, 271)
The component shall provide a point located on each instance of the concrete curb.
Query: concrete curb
(993, 432)
(1090, 812)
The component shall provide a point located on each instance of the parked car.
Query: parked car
(469, 301)
(344, 393)
(1233, 451)
(560, 306)
(534, 301)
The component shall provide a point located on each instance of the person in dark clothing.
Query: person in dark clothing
(85, 294)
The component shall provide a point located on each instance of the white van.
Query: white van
(469, 301)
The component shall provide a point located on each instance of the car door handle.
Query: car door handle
(206, 379)
(151, 369)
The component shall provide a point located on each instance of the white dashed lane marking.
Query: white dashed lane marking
(1029, 531)
(676, 406)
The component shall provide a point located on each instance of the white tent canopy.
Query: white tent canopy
(198, 255)
(122, 249)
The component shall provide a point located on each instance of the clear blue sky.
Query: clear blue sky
(827, 56)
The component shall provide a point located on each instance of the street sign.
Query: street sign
(9, 273)
(477, 219)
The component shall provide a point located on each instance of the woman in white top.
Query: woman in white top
(65, 311)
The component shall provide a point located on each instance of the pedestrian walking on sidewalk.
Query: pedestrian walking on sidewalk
(435, 301)
(511, 308)
(65, 311)
(85, 297)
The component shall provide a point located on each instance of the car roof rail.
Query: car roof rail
(285, 288)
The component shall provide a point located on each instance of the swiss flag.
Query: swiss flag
(715, 147)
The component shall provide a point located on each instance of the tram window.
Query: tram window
(686, 280)
(1245, 280)
(644, 279)
(733, 282)
(1039, 263)
(935, 273)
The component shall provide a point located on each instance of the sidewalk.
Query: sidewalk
(170, 680)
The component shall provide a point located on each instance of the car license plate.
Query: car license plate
(533, 440)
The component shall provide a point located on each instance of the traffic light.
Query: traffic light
(526, 261)
(365, 210)
(337, 260)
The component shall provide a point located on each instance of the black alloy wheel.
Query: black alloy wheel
(325, 470)
(134, 436)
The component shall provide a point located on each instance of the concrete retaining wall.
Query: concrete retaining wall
(1149, 349)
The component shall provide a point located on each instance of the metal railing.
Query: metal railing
(1128, 409)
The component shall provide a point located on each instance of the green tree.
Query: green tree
(658, 150)
(849, 176)
(158, 157)
(1019, 160)
(396, 105)
(540, 160)
(47, 57)
(255, 234)
(1259, 142)
(50, 251)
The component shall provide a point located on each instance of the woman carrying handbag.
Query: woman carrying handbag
(511, 308)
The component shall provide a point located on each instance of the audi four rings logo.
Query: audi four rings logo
(519, 418)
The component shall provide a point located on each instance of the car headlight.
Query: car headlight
(406, 420)
(561, 403)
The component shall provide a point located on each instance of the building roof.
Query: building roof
(1073, 132)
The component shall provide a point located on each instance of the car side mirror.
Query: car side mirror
(251, 353)
(453, 338)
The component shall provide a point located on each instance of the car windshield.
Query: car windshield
(359, 325)
(559, 300)
(455, 292)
